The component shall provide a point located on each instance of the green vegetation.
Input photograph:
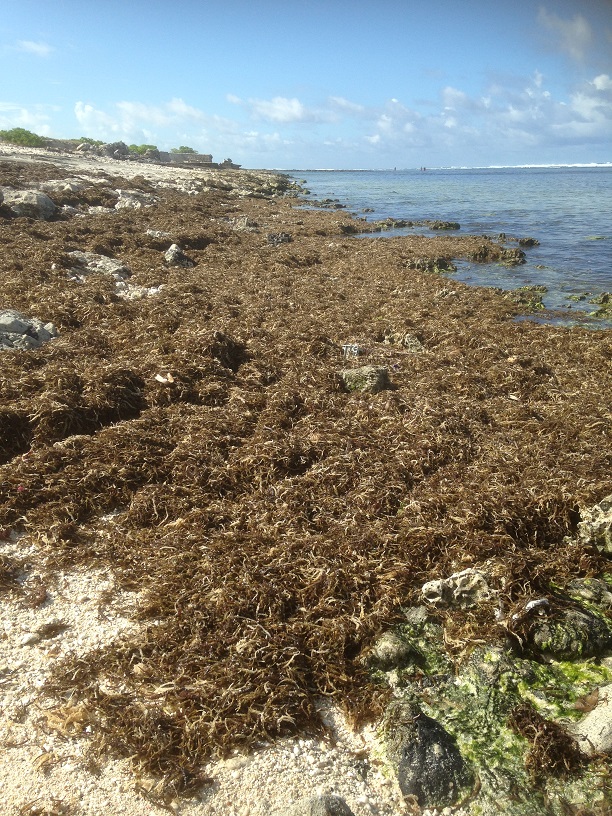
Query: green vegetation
(142, 149)
(88, 140)
(183, 149)
(20, 136)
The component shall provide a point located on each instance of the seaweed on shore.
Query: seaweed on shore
(198, 444)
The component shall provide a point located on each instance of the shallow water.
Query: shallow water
(567, 209)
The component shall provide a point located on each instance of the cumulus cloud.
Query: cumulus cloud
(39, 49)
(36, 117)
(571, 36)
(281, 109)
(134, 119)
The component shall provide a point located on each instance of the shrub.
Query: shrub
(183, 149)
(20, 136)
(141, 149)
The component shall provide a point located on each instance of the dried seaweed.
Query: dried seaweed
(552, 750)
(273, 523)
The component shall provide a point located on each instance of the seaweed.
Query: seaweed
(273, 523)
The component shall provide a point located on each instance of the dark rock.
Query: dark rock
(278, 238)
(561, 630)
(528, 242)
(512, 257)
(365, 378)
(432, 265)
(316, 806)
(424, 756)
(443, 225)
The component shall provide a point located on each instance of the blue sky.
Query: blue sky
(318, 83)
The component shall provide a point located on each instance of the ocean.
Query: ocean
(567, 209)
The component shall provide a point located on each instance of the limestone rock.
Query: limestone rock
(176, 257)
(424, 756)
(463, 589)
(594, 731)
(408, 341)
(595, 527)
(390, 651)
(20, 332)
(133, 200)
(30, 204)
(87, 263)
(317, 806)
(366, 378)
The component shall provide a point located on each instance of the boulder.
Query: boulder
(594, 731)
(561, 629)
(175, 256)
(87, 263)
(30, 204)
(595, 527)
(20, 332)
(366, 379)
(424, 756)
(326, 805)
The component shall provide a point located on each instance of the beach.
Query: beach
(237, 443)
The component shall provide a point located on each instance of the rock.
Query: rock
(408, 341)
(1, 196)
(278, 238)
(176, 257)
(19, 332)
(87, 263)
(528, 242)
(390, 651)
(424, 755)
(463, 589)
(366, 379)
(30, 204)
(133, 200)
(561, 629)
(570, 634)
(592, 589)
(594, 731)
(595, 527)
(115, 150)
(443, 225)
(432, 265)
(316, 806)
(512, 257)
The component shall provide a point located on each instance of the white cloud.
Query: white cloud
(602, 83)
(345, 105)
(36, 118)
(39, 49)
(281, 109)
(572, 36)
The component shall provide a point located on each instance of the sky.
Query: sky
(305, 84)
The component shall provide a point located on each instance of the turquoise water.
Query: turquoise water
(567, 209)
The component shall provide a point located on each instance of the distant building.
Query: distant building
(196, 159)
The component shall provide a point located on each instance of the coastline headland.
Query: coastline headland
(290, 522)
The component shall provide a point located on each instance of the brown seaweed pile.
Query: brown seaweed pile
(201, 444)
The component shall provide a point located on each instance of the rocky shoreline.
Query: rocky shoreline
(291, 522)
